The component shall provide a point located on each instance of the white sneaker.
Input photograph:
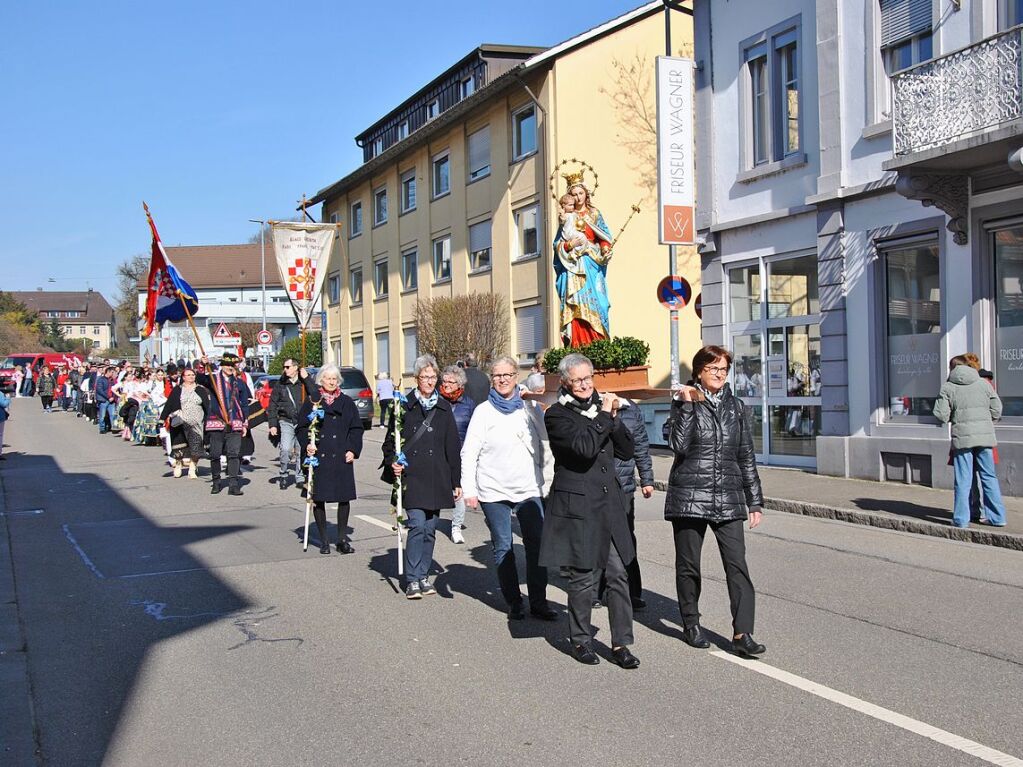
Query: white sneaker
(456, 534)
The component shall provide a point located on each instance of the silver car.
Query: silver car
(356, 386)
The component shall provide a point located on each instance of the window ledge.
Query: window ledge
(406, 212)
(440, 196)
(380, 299)
(771, 168)
(522, 157)
(445, 281)
(407, 291)
(357, 305)
(481, 270)
(478, 178)
(353, 235)
(524, 259)
(878, 129)
(379, 224)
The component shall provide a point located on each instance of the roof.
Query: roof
(494, 88)
(91, 303)
(221, 266)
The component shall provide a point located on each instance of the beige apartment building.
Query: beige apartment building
(80, 313)
(455, 195)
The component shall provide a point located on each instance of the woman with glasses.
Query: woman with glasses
(713, 483)
(430, 467)
(452, 388)
(503, 461)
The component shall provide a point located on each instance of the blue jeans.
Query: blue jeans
(530, 514)
(422, 532)
(103, 409)
(963, 462)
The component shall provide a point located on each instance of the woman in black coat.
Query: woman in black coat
(713, 482)
(585, 528)
(185, 413)
(432, 469)
(338, 445)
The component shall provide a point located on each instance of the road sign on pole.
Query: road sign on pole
(222, 331)
(674, 292)
(698, 306)
(264, 338)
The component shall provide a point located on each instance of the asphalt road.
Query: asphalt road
(165, 626)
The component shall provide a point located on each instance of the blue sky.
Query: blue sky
(212, 112)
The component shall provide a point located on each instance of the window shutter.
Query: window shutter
(901, 19)
(529, 329)
(411, 348)
(479, 150)
(358, 359)
(479, 236)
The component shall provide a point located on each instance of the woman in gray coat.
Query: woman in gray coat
(972, 406)
(713, 483)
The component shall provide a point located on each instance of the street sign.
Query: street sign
(264, 338)
(222, 332)
(262, 349)
(698, 306)
(674, 292)
(232, 341)
(675, 150)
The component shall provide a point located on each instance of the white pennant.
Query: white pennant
(303, 257)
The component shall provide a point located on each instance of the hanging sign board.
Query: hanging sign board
(676, 196)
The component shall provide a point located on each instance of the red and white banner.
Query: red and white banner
(303, 257)
(676, 198)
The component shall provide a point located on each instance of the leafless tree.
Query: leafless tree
(449, 328)
(126, 311)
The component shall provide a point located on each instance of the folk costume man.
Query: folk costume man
(227, 421)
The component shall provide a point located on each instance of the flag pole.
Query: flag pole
(202, 353)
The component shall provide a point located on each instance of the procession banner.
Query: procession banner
(303, 256)
(676, 195)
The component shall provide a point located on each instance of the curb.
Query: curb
(985, 537)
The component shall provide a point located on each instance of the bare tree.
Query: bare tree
(247, 331)
(449, 328)
(126, 311)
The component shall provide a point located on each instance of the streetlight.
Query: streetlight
(262, 272)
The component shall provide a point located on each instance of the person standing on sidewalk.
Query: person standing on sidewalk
(289, 394)
(971, 405)
(713, 483)
(503, 462)
(452, 388)
(477, 385)
(385, 396)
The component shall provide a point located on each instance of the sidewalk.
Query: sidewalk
(909, 508)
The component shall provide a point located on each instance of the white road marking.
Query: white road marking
(915, 726)
(374, 521)
(81, 552)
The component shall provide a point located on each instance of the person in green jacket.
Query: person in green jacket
(972, 406)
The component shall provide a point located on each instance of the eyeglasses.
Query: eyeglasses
(450, 383)
(502, 376)
(426, 378)
(580, 381)
(717, 370)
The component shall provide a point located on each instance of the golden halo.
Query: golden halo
(573, 178)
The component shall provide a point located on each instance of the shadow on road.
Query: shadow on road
(905, 509)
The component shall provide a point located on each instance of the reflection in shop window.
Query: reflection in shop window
(747, 376)
(744, 293)
(1008, 250)
(792, 290)
(804, 370)
(913, 287)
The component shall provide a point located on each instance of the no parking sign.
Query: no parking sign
(674, 292)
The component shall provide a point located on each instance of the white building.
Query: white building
(863, 221)
(228, 281)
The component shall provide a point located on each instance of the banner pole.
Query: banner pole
(202, 353)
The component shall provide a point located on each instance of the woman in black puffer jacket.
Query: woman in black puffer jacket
(713, 482)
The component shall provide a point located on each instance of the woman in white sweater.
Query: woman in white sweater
(506, 465)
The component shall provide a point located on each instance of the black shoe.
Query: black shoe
(638, 603)
(235, 490)
(516, 613)
(747, 647)
(324, 548)
(584, 654)
(282, 483)
(597, 604)
(693, 636)
(624, 658)
(344, 547)
(215, 487)
(543, 613)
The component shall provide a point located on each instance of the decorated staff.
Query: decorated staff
(311, 462)
(397, 482)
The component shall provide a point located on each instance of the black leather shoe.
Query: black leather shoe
(543, 613)
(235, 490)
(693, 636)
(516, 613)
(324, 548)
(747, 647)
(215, 487)
(344, 547)
(585, 655)
(596, 604)
(624, 658)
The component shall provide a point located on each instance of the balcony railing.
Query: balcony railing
(959, 94)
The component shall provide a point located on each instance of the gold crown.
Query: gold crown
(573, 178)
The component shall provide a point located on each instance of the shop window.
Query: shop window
(744, 293)
(1008, 258)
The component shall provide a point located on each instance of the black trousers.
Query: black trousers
(344, 509)
(582, 587)
(689, 535)
(227, 443)
(635, 577)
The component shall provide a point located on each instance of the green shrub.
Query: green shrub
(606, 354)
(293, 348)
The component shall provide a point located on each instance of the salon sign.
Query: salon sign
(676, 199)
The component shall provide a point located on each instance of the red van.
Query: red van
(35, 360)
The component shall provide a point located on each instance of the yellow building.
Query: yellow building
(455, 195)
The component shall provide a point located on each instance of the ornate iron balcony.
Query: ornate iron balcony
(959, 94)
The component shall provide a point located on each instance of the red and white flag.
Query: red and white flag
(303, 257)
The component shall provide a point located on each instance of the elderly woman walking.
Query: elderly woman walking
(430, 467)
(971, 405)
(184, 414)
(713, 483)
(586, 530)
(452, 388)
(503, 462)
(338, 445)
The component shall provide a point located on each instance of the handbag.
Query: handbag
(388, 475)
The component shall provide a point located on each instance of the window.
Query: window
(403, 130)
(479, 246)
(479, 154)
(792, 290)
(95, 344)
(525, 224)
(1008, 257)
(905, 33)
(355, 285)
(772, 101)
(744, 293)
(408, 191)
(378, 146)
(432, 109)
(529, 332)
(913, 327)
(379, 207)
(442, 259)
(380, 278)
(358, 353)
(523, 132)
(95, 330)
(355, 220)
(411, 342)
(334, 288)
(383, 351)
(410, 269)
(335, 217)
(441, 175)
(1010, 13)
(468, 86)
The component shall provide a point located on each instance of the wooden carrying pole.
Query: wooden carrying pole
(202, 352)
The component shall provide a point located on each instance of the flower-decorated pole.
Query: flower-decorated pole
(397, 504)
(311, 462)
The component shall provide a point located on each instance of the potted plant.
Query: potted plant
(618, 363)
